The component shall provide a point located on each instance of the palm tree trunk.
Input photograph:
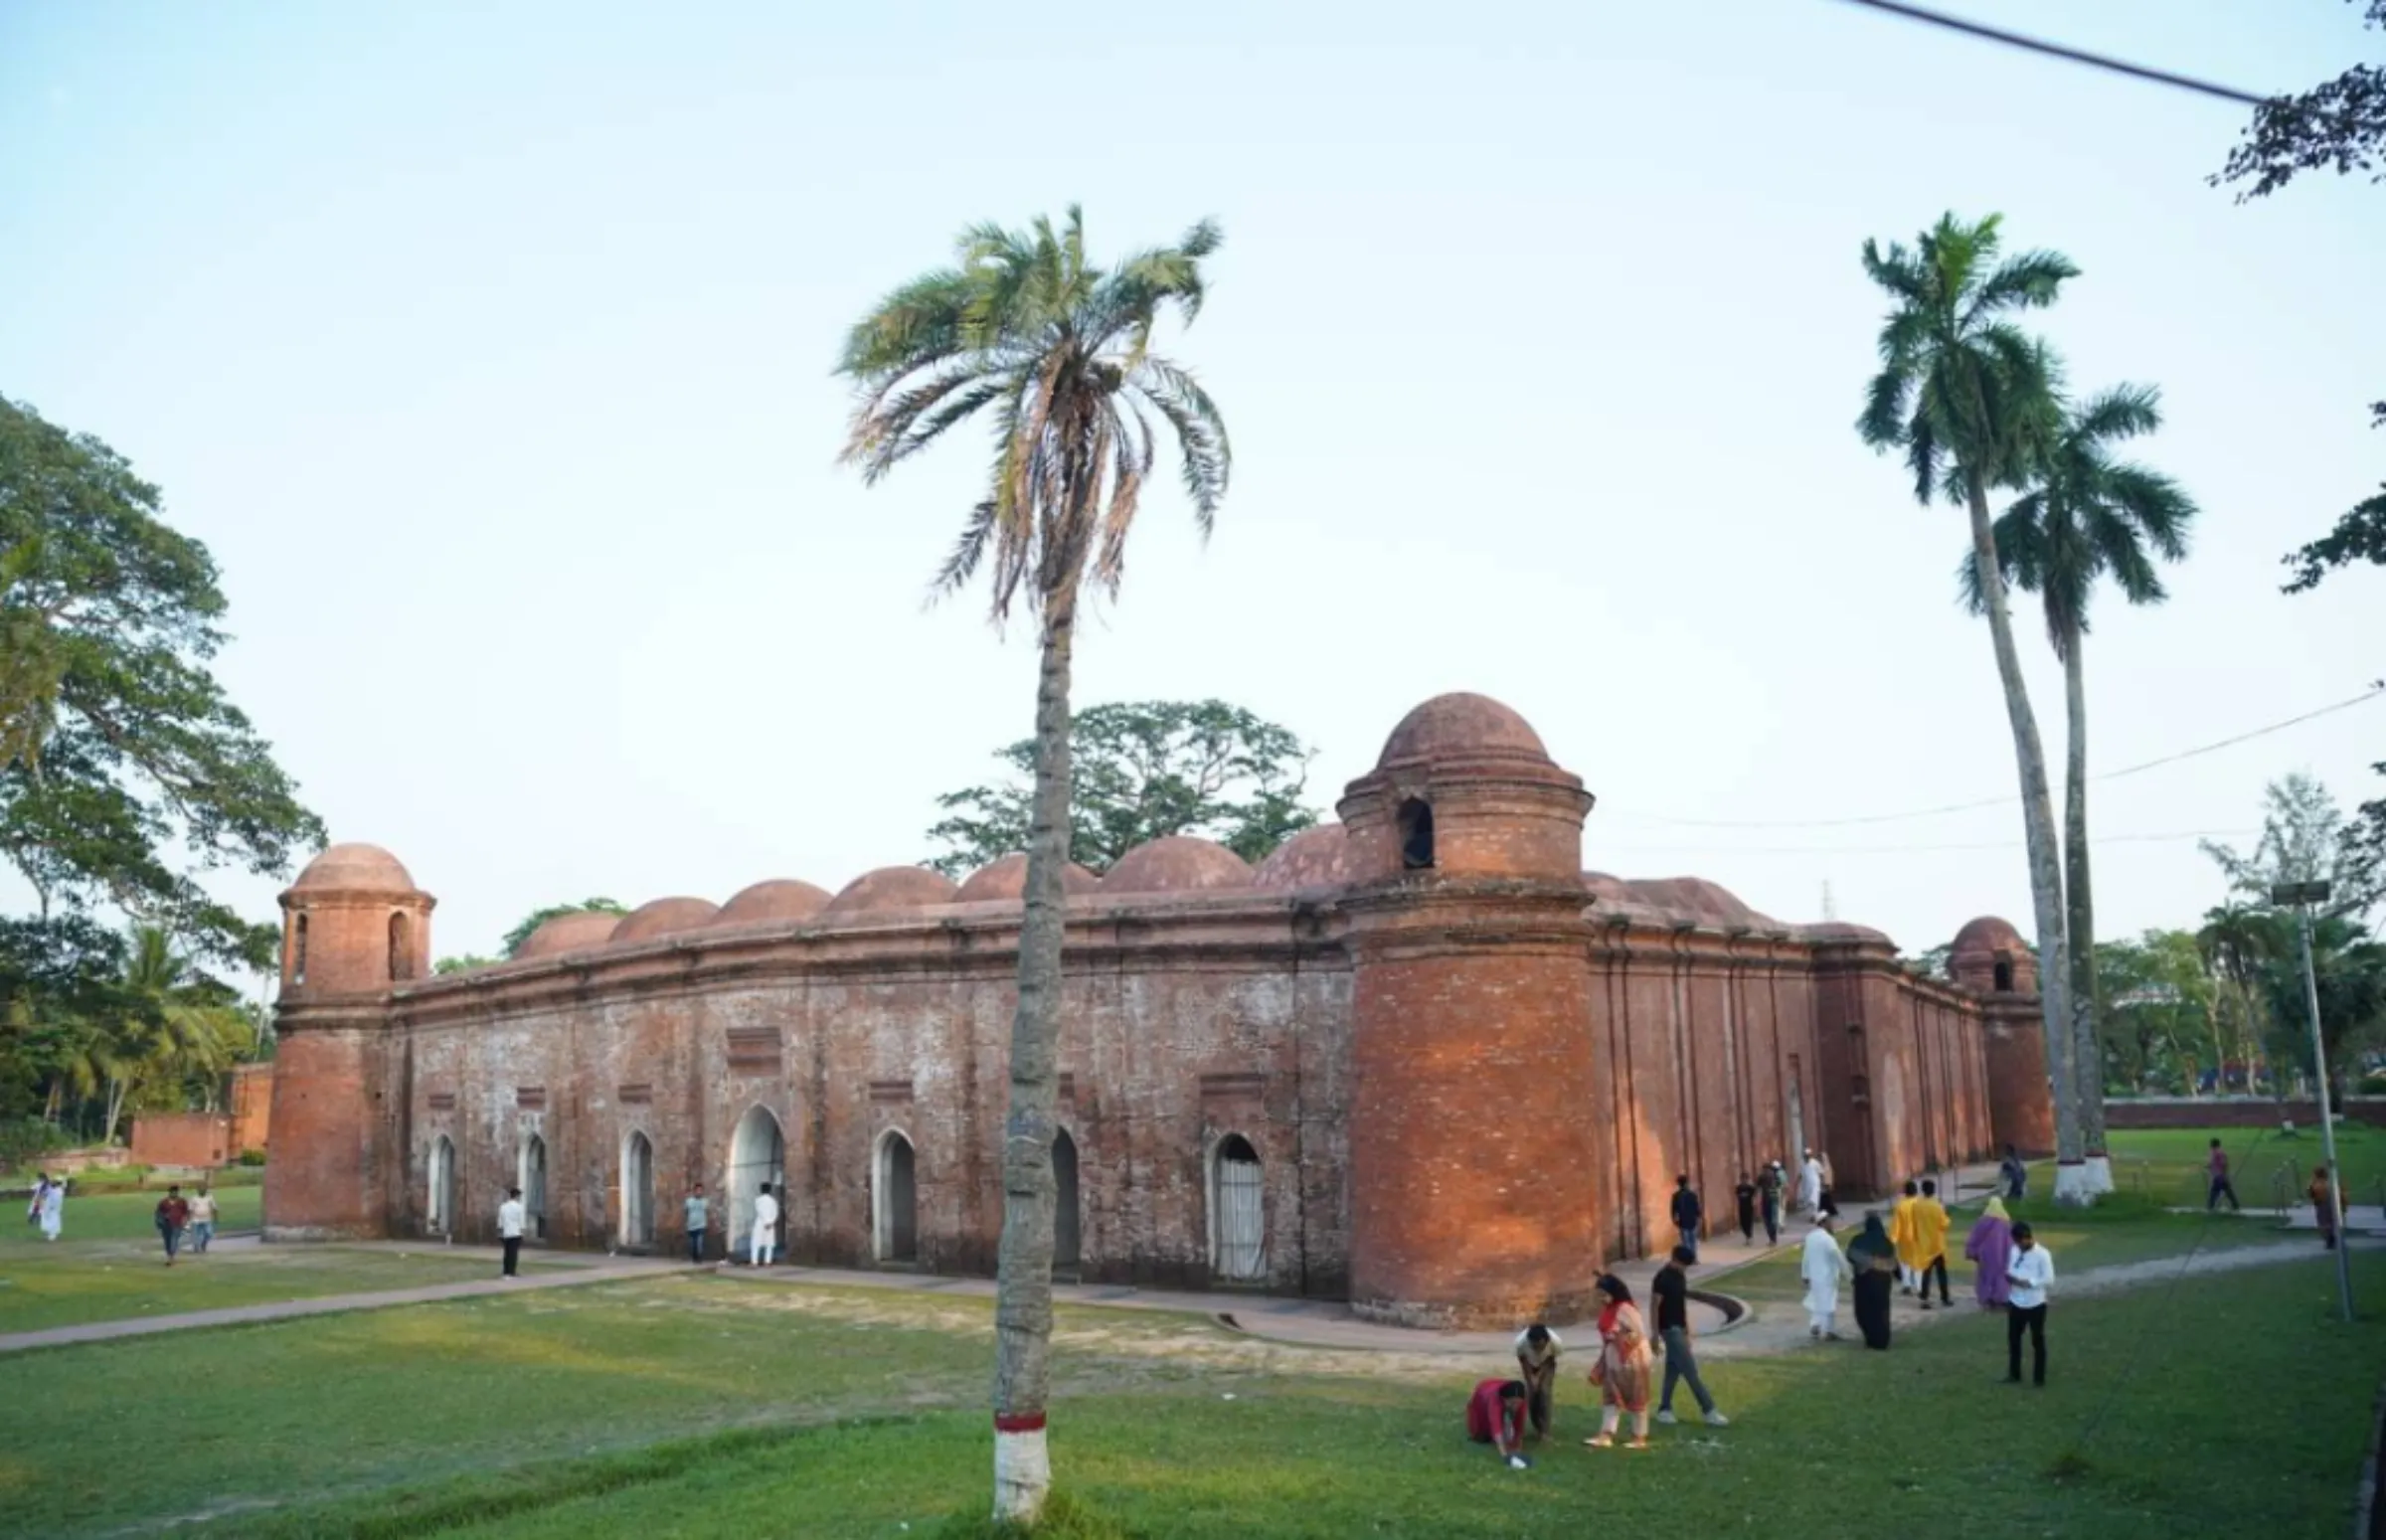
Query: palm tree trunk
(2080, 915)
(2038, 828)
(1023, 1267)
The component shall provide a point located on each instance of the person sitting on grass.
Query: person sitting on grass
(1495, 1416)
(1622, 1370)
(1537, 1350)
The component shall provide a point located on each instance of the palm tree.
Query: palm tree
(1060, 352)
(176, 1030)
(2087, 517)
(1968, 396)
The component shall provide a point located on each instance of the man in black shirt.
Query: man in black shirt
(1746, 1192)
(1686, 1215)
(1770, 1183)
(1672, 1294)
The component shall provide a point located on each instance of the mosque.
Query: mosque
(1417, 1059)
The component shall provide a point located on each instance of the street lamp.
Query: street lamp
(2301, 896)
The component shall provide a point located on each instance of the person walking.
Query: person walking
(1770, 1183)
(1745, 1195)
(1671, 1291)
(1810, 1184)
(1822, 1267)
(173, 1213)
(1622, 1370)
(2015, 1174)
(1901, 1236)
(510, 1217)
(698, 1212)
(1990, 1248)
(1930, 1223)
(53, 1209)
(1537, 1350)
(1686, 1214)
(2031, 1274)
(2325, 1211)
(40, 1191)
(2216, 1165)
(762, 1246)
(203, 1219)
(1872, 1257)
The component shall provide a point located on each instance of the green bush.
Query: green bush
(252, 1157)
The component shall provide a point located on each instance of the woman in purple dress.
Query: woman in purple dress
(1990, 1248)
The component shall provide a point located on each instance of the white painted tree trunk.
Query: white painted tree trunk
(1023, 1265)
(2038, 828)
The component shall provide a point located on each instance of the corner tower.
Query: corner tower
(1472, 1172)
(1990, 959)
(353, 924)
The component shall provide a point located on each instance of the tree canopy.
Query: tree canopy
(125, 768)
(512, 944)
(1143, 770)
(2337, 125)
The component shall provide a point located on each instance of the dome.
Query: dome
(1176, 863)
(1842, 931)
(1988, 935)
(663, 916)
(1461, 725)
(1695, 897)
(356, 869)
(893, 888)
(1005, 881)
(778, 899)
(1313, 858)
(575, 932)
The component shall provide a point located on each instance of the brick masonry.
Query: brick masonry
(1468, 1082)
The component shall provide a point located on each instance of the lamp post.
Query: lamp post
(2301, 896)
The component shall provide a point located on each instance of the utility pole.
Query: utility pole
(2302, 895)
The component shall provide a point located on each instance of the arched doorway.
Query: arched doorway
(1237, 1231)
(758, 1153)
(638, 1191)
(438, 1209)
(896, 1201)
(533, 1180)
(1066, 1236)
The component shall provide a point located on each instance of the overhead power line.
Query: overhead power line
(2076, 55)
(2370, 694)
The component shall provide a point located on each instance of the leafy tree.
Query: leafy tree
(2349, 971)
(2338, 125)
(2360, 536)
(2239, 943)
(512, 944)
(2305, 838)
(2157, 996)
(60, 978)
(1969, 400)
(2085, 517)
(127, 766)
(465, 963)
(1934, 963)
(1142, 770)
(1059, 351)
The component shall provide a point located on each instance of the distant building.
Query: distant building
(1417, 1059)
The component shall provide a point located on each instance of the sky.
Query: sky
(489, 351)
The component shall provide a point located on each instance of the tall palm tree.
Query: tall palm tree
(1967, 396)
(2087, 517)
(175, 1030)
(1059, 351)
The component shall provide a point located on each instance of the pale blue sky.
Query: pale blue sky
(488, 349)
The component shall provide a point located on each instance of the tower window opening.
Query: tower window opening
(2004, 978)
(398, 958)
(298, 954)
(1416, 835)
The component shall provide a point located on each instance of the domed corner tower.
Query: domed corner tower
(1990, 959)
(353, 925)
(1473, 1180)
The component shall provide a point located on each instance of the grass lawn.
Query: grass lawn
(126, 1215)
(699, 1407)
(2167, 1164)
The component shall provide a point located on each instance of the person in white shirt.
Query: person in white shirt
(2031, 1270)
(1537, 1350)
(203, 1219)
(1822, 1266)
(1809, 1183)
(765, 1245)
(509, 1228)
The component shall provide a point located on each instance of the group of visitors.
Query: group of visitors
(48, 1206)
(2014, 1273)
(179, 1218)
(1500, 1412)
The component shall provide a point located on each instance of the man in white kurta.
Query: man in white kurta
(54, 1210)
(1822, 1266)
(764, 1243)
(1809, 1183)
